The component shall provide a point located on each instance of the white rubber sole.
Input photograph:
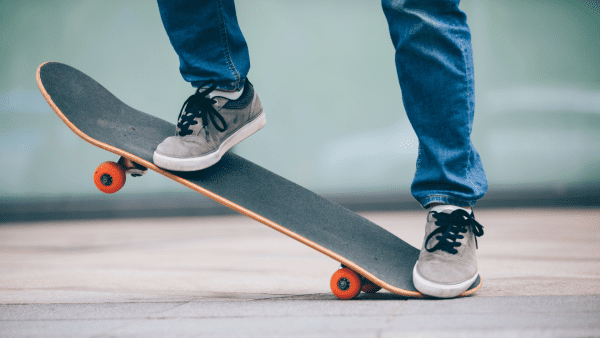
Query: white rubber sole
(203, 162)
(430, 288)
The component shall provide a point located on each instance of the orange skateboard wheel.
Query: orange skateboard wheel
(369, 287)
(109, 177)
(345, 284)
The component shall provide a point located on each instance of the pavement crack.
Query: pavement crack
(389, 320)
(154, 316)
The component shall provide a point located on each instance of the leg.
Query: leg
(209, 42)
(435, 69)
(213, 56)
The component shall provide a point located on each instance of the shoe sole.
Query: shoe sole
(430, 288)
(203, 162)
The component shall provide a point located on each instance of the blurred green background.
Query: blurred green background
(325, 73)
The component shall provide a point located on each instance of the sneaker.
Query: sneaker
(208, 126)
(447, 265)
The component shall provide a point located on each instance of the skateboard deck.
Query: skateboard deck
(376, 255)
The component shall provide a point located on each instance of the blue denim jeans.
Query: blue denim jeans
(434, 62)
(207, 38)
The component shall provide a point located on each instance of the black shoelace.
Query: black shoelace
(199, 105)
(450, 227)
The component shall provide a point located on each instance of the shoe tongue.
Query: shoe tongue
(448, 208)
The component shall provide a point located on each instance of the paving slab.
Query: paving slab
(500, 314)
(228, 276)
(551, 316)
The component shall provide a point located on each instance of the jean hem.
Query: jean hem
(445, 199)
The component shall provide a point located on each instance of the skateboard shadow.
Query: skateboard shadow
(362, 297)
(330, 296)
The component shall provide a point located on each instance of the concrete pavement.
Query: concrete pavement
(230, 276)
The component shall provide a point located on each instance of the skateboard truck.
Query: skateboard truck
(109, 177)
(347, 284)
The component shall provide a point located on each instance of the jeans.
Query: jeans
(434, 62)
(207, 38)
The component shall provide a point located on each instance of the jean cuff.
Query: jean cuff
(444, 199)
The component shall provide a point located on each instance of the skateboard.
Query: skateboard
(371, 257)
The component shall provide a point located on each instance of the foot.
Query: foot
(208, 126)
(447, 265)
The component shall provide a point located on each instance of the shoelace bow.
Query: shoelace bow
(199, 105)
(450, 227)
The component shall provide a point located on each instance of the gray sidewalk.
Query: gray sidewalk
(230, 276)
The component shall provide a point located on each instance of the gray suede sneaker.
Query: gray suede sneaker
(447, 265)
(208, 127)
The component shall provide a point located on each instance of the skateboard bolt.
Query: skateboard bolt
(106, 179)
(343, 284)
